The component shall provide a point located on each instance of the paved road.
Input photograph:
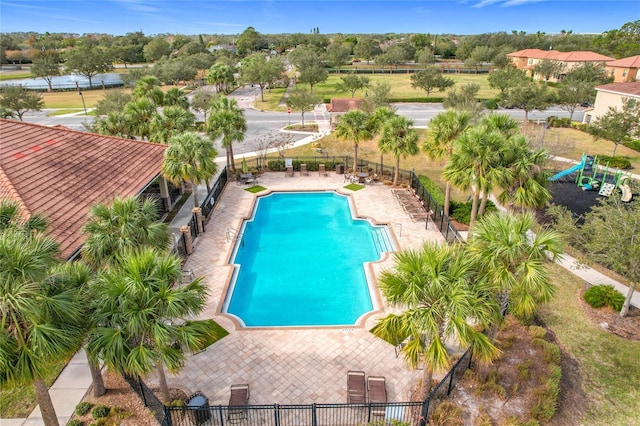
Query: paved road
(264, 126)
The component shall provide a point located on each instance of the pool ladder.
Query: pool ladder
(381, 240)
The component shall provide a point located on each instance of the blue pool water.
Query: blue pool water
(301, 262)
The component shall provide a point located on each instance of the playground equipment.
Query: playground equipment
(589, 180)
(586, 163)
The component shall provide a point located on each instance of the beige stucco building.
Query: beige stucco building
(624, 70)
(611, 95)
(527, 59)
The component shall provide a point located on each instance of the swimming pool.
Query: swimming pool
(299, 262)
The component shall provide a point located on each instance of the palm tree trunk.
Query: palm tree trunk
(355, 158)
(396, 175)
(474, 207)
(447, 199)
(427, 377)
(233, 163)
(483, 203)
(44, 401)
(228, 160)
(194, 190)
(96, 377)
(162, 381)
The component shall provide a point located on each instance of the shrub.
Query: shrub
(74, 422)
(100, 411)
(580, 126)
(523, 370)
(620, 162)
(491, 104)
(433, 189)
(447, 413)
(558, 122)
(461, 212)
(604, 295)
(83, 408)
(536, 331)
(546, 397)
(633, 144)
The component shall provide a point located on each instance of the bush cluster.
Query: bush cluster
(433, 189)
(461, 212)
(74, 422)
(83, 408)
(604, 295)
(621, 162)
(100, 411)
(491, 104)
(558, 122)
(546, 396)
(633, 144)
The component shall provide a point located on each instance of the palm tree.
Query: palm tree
(143, 316)
(442, 304)
(149, 87)
(175, 97)
(123, 224)
(173, 121)
(114, 124)
(140, 112)
(226, 119)
(191, 158)
(40, 312)
(354, 125)
(475, 163)
(513, 260)
(112, 229)
(445, 128)
(400, 139)
(525, 178)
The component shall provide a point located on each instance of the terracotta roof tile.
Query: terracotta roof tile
(576, 56)
(630, 62)
(61, 173)
(631, 89)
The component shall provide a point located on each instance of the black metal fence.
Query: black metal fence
(216, 189)
(444, 388)
(440, 220)
(409, 413)
(150, 400)
(296, 415)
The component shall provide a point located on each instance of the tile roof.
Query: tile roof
(61, 173)
(344, 104)
(576, 56)
(630, 89)
(630, 62)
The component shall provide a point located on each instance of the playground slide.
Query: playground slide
(563, 173)
(626, 193)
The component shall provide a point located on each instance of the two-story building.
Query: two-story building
(527, 59)
(611, 96)
(624, 70)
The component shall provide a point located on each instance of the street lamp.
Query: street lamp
(83, 104)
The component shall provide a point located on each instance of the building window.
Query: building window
(530, 62)
(613, 72)
(624, 73)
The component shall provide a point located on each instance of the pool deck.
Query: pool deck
(293, 365)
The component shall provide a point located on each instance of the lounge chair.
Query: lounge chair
(303, 170)
(356, 390)
(347, 177)
(377, 395)
(321, 170)
(289, 171)
(238, 401)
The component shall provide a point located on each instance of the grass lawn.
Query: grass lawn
(400, 88)
(19, 402)
(608, 364)
(15, 75)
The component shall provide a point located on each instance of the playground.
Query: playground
(580, 186)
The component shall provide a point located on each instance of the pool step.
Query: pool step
(381, 240)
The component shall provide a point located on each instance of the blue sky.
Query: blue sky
(330, 16)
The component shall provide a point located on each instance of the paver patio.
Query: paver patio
(294, 365)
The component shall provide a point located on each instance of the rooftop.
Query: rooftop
(62, 173)
(630, 89)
